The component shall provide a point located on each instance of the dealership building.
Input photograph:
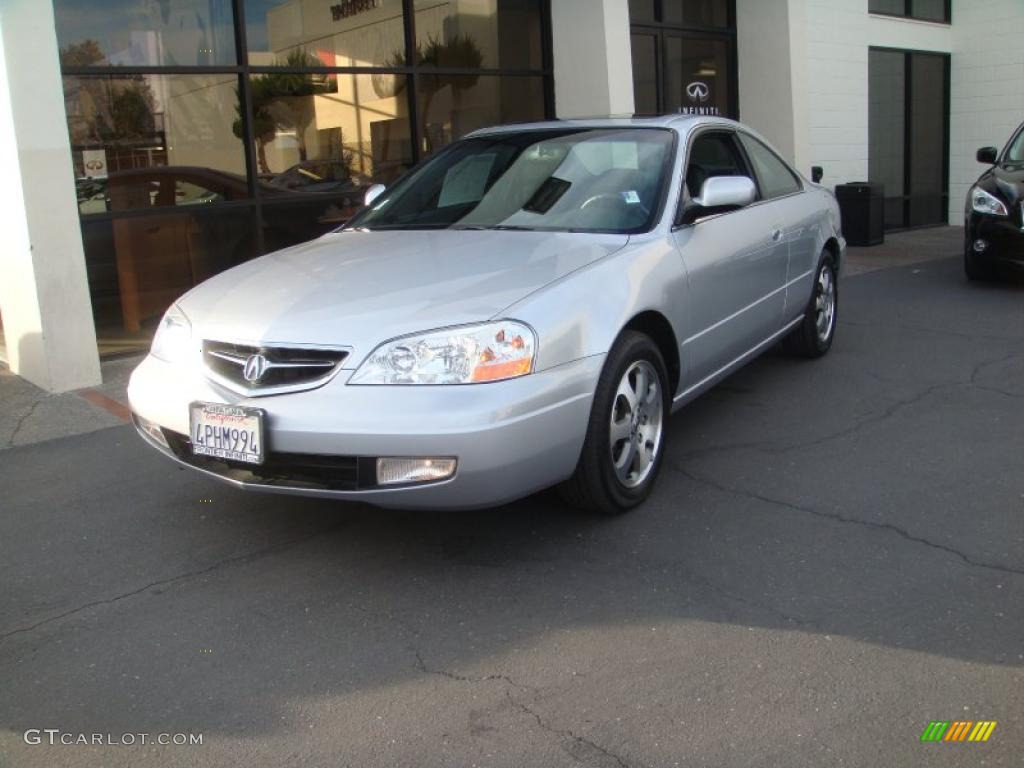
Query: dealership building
(152, 143)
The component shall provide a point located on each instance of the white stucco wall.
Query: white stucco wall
(592, 58)
(819, 50)
(44, 293)
(987, 90)
(765, 73)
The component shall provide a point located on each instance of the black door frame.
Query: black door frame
(659, 30)
(908, 136)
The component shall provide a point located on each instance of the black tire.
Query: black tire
(805, 340)
(974, 269)
(595, 486)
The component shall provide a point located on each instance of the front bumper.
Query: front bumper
(510, 438)
(1003, 236)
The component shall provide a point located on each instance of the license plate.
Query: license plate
(227, 432)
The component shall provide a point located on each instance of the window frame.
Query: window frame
(243, 71)
(908, 9)
(651, 225)
(684, 193)
(753, 168)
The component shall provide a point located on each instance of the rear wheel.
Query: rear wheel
(625, 439)
(813, 337)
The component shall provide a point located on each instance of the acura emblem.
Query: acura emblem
(255, 367)
(698, 91)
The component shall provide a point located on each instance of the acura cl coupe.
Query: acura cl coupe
(994, 216)
(522, 310)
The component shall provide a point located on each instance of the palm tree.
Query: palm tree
(279, 102)
(458, 52)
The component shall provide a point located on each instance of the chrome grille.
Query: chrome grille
(267, 370)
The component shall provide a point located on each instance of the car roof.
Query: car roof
(678, 123)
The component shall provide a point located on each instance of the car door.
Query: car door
(782, 187)
(735, 261)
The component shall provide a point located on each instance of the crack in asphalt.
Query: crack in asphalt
(422, 666)
(753, 603)
(509, 682)
(835, 517)
(566, 733)
(237, 559)
(21, 422)
(769, 447)
(765, 446)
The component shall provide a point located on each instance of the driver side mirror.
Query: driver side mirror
(817, 173)
(720, 194)
(375, 191)
(987, 155)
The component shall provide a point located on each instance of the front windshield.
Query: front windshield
(1015, 152)
(590, 180)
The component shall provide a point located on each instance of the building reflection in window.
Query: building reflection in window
(181, 174)
(145, 33)
(333, 33)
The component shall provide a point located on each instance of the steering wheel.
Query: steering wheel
(615, 197)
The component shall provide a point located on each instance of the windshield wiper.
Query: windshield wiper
(484, 227)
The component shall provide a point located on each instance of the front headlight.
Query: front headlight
(173, 336)
(983, 202)
(466, 355)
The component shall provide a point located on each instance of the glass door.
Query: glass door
(684, 57)
(908, 135)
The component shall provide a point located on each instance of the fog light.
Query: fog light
(980, 245)
(397, 470)
(150, 430)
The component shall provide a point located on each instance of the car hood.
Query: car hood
(358, 288)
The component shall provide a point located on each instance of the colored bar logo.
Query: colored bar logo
(958, 730)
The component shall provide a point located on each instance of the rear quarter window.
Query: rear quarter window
(774, 177)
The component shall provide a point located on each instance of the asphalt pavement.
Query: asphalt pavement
(833, 558)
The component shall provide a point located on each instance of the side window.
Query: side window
(712, 154)
(773, 175)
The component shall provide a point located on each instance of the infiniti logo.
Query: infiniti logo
(698, 91)
(255, 367)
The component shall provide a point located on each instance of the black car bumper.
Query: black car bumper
(995, 240)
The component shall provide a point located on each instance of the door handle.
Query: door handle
(776, 235)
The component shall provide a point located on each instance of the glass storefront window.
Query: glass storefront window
(190, 156)
(924, 10)
(645, 73)
(696, 13)
(475, 34)
(151, 141)
(642, 11)
(145, 33)
(452, 106)
(684, 58)
(314, 132)
(321, 144)
(696, 76)
(138, 265)
(340, 33)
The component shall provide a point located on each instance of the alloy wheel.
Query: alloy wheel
(825, 302)
(636, 424)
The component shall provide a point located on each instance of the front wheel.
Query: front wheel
(974, 268)
(626, 433)
(813, 337)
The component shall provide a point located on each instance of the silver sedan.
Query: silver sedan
(523, 310)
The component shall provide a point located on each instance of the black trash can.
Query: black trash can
(862, 206)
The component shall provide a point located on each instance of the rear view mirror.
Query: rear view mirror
(817, 173)
(373, 193)
(987, 155)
